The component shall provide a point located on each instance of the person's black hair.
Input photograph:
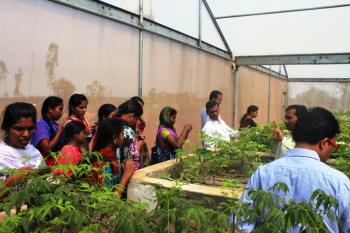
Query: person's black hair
(74, 101)
(137, 99)
(49, 103)
(15, 111)
(214, 94)
(318, 123)
(70, 130)
(164, 116)
(105, 110)
(130, 107)
(250, 109)
(210, 104)
(106, 129)
(300, 110)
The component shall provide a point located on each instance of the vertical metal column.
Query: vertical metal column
(200, 23)
(235, 96)
(269, 98)
(286, 101)
(140, 49)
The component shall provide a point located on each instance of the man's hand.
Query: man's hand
(277, 132)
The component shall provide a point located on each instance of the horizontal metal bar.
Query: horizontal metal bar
(121, 16)
(269, 71)
(336, 80)
(295, 59)
(283, 11)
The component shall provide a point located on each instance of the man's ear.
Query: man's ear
(323, 143)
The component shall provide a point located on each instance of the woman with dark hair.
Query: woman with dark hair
(129, 112)
(18, 126)
(109, 137)
(106, 111)
(138, 100)
(247, 119)
(74, 138)
(76, 109)
(47, 131)
(167, 140)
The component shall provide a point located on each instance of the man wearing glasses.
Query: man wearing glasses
(303, 168)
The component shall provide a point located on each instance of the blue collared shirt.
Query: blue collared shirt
(303, 172)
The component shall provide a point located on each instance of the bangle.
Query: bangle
(120, 188)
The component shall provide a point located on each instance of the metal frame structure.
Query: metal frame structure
(295, 59)
(284, 11)
(121, 16)
(116, 14)
(323, 80)
(217, 26)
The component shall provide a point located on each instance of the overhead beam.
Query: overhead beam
(269, 71)
(296, 59)
(336, 80)
(121, 16)
(283, 11)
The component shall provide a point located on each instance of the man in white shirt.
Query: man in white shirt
(215, 127)
(214, 95)
(292, 114)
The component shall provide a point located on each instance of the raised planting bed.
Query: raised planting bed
(202, 174)
(142, 186)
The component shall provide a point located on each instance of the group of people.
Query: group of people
(118, 136)
(299, 159)
(213, 126)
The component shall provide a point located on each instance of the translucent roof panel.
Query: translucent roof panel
(181, 15)
(209, 31)
(318, 71)
(129, 5)
(319, 31)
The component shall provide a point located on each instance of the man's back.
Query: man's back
(303, 172)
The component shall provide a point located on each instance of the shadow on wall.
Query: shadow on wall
(317, 97)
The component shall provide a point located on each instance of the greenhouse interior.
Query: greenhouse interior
(174, 116)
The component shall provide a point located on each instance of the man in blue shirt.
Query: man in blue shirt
(303, 168)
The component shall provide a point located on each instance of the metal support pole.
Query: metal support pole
(286, 94)
(235, 96)
(285, 71)
(200, 23)
(269, 98)
(140, 49)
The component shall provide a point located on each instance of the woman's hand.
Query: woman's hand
(91, 129)
(187, 127)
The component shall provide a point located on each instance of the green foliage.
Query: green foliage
(273, 213)
(229, 165)
(341, 158)
(69, 204)
(262, 135)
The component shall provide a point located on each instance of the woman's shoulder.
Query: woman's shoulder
(69, 148)
(165, 132)
(42, 124)
(32, 150)
(3, 147)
